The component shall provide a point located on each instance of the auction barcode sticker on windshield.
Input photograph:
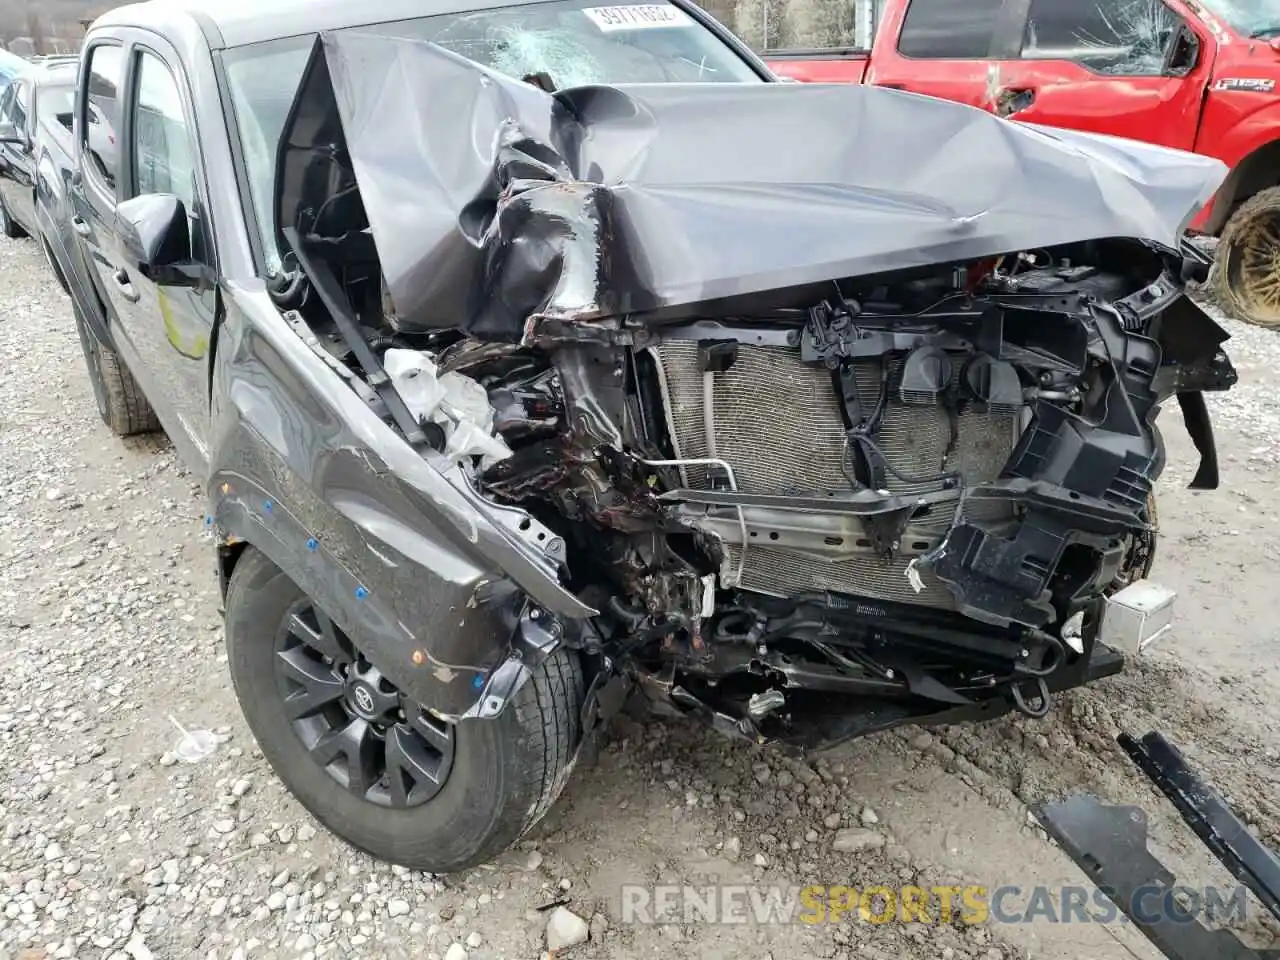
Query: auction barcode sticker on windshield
(639, 16)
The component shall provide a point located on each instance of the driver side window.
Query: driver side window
(161, 141)
(1129, 38)
(102, 103)
(164, 159)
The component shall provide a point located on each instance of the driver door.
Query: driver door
(169, 324)
(1128, 68)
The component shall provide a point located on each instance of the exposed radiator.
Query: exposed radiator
(778, 423)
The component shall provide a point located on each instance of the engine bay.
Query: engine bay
(916, 489)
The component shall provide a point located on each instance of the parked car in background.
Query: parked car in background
(35, 134)
(36, 168)
(54, 163)
(1198, 75)
(520, 377)
(17, 186)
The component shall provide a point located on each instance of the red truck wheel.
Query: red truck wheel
(1247, 275)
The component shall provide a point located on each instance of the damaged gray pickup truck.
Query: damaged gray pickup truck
(538, 353)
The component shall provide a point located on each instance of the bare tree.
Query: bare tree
(822, 23)
(722, 10)
(36, 31)
(769, 24)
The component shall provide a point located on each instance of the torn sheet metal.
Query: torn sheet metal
(456, 403)
(491, 201)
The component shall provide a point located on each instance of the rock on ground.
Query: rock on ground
(565, 929)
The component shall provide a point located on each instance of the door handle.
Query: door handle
(79, 226)
(127, 289)
(1011, 100)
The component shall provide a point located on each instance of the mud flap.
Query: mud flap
(1195, 414)
(1110, 844)
(605, 697)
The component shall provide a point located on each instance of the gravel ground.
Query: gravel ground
(110, 629)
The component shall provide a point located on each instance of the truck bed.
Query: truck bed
(821, 64)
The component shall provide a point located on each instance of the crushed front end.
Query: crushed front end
(912, 498)
(824, 454)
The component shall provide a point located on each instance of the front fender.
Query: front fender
(482, 641)
(1235, 124)
(1234, 127)
(430, 589)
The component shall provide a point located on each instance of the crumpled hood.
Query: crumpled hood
(491, 201)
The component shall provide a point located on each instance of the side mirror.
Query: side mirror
(156, 237)
(11, 134)
(1184, 55)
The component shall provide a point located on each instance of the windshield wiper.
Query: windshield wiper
(542, 80)
(1265, 33)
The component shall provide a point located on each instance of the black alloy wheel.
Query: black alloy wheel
(354, 723)
(372, 765)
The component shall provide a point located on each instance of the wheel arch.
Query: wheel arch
(229, 553)
(472, 646)
(1258, 170)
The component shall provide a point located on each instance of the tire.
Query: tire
(1138, 564)
(120, 400)
(505, 772)
(8, 225)
(1246, 273)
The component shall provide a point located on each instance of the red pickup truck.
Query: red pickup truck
(1198, 75)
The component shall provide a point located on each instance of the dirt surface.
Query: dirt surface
(111, 638)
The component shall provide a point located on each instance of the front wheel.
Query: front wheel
(1247, 271)
(374, 767)
(1142, 553)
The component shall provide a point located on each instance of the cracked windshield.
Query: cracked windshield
(1256, 18)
